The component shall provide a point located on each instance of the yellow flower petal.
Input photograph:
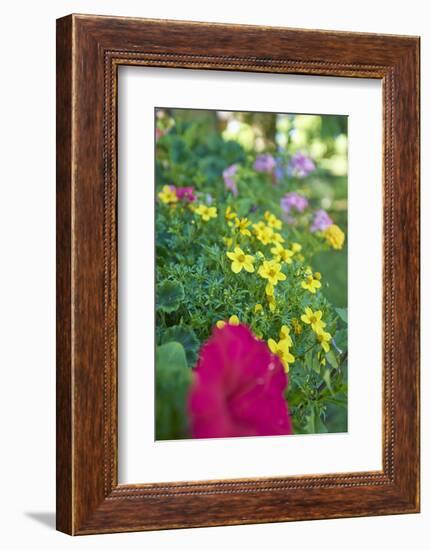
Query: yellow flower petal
(269, 290)
(236, 267)
(272, 345)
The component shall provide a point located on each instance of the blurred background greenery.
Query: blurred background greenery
(322, 137)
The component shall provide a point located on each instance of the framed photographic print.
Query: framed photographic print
(237, 274)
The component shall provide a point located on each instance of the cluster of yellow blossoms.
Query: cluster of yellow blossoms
(314, 319)
(168, 195)
(312, 281)
(334, 236)
(270, 270)
(266, 233)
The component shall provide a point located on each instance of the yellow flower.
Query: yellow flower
(229, 214)
(281, 349)
(334, 236)
(233, 320)
(313, 318)
(168, 195)
(240, 260)
(258, 308)
(263, 233)
(296, 247)
(318, 276)
(269, 289)
(311, 284)
(296, 326)
(206, 212)
(272, 220)
(282, 254)
(285, 334)
(271, 302)
(271, 270)
(276, 238)
(259, 226)
(324, 338)
(228, 241)
(241, 224)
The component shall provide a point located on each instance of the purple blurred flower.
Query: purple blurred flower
(229, 179)
(264, 163)
(321, 221)
(279, 170)
(301, 165)
(293, 200)
(185, 193)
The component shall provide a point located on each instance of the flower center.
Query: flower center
(271, 272)
(241, 258)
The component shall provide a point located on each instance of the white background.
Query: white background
(141, 458)
(27, 208)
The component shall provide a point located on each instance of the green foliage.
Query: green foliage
(169, 296)
(173, 379)
(342, 312)
(185, 336)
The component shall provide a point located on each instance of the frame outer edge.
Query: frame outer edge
(81, 506)
(64, 300)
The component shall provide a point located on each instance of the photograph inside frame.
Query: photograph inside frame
(251, 273)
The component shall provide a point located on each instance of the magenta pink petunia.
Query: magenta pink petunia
(185, 193)
(238, 388)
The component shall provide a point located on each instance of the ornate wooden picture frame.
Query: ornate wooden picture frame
(89, 51)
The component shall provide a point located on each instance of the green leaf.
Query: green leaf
(338, 402)
(320, 425)
(310, 425)
(243, 206)
(315, 363)
(169, 294)
(327, 378)
(173, 378)
(170, 356)
(341, 339)
(342, 313)
(332, 360)
(185, 336)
